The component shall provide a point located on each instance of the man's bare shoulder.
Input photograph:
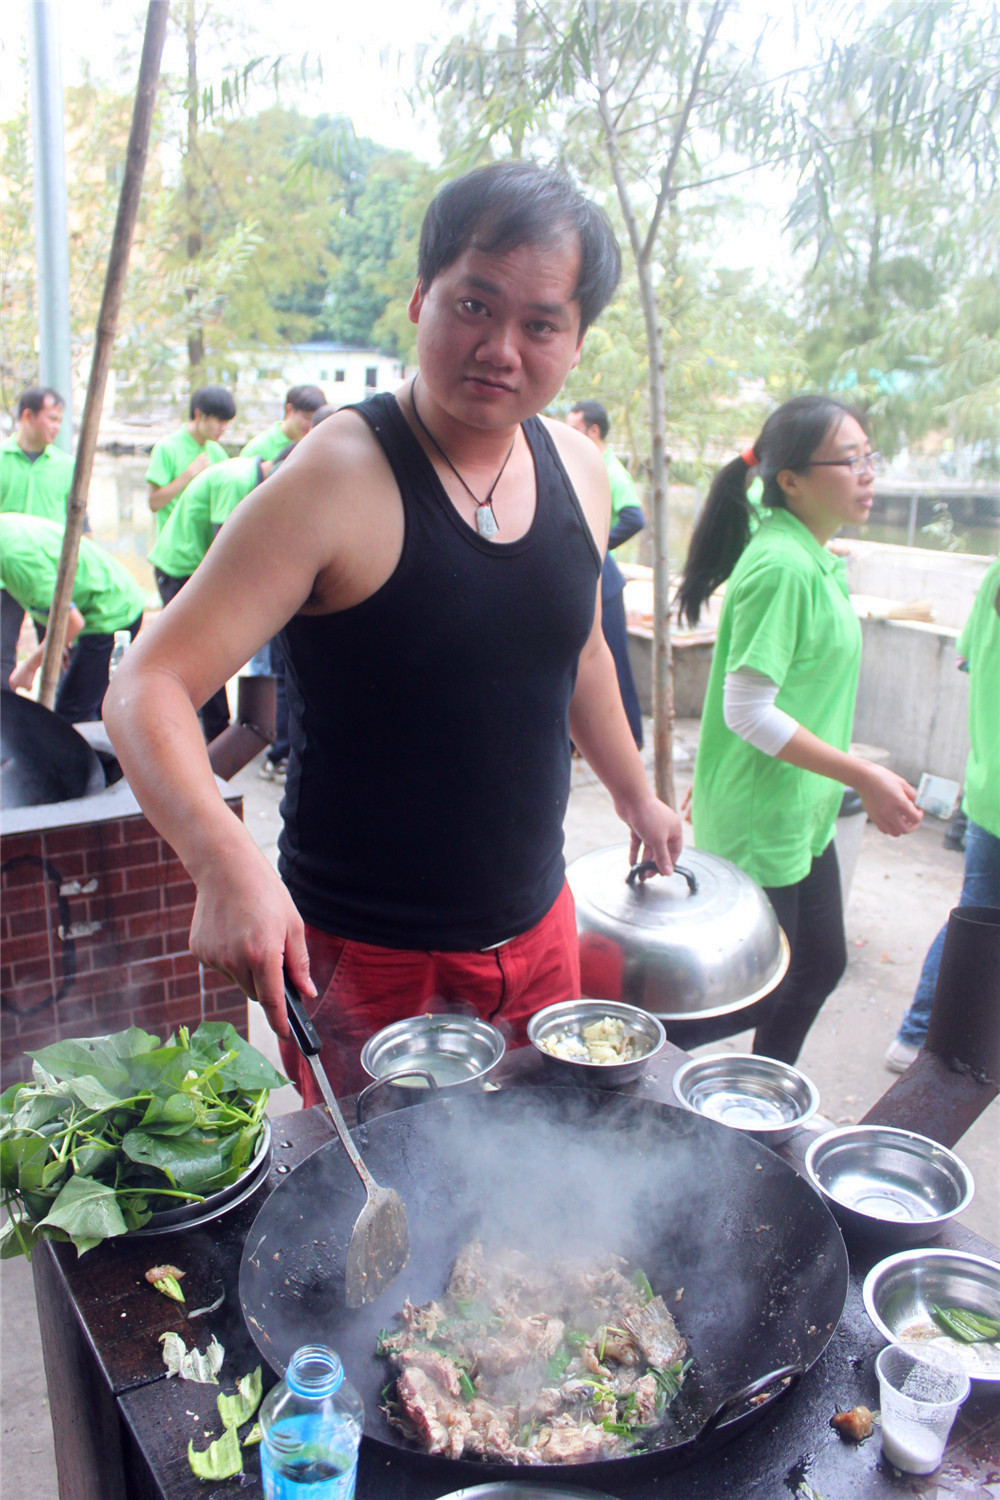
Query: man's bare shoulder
(585, 467)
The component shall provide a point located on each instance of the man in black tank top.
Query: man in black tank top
(433, 560)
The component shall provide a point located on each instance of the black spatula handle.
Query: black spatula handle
(303, 1030)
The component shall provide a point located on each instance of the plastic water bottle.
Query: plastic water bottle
(122, 642)
(311, 1424)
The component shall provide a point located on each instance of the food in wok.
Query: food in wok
(524, 1363)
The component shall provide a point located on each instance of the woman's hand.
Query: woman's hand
(888, 799)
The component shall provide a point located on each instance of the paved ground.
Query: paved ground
(901, 892)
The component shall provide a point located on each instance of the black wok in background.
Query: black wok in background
(561, 1172)
(42, 758)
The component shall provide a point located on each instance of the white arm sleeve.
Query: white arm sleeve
(749, 711)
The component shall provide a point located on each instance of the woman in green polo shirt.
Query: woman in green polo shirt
(774, 751)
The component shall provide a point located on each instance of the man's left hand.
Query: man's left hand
(658, 832)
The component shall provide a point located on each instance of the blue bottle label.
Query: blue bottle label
(308, 1479)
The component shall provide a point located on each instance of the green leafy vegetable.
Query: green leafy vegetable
(970, 1327)
(112, 1128)
(254, 1436)
(235, 1410)
(467, 1388)
(641, 1283)
(222, 1459)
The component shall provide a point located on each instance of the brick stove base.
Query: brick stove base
(95, 911)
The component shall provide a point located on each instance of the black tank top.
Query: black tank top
(429, 768)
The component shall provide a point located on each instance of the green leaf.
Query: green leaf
(85, 1057)
(177, 1113)
(191, 1162)
(17, 1237)
(248, 1071)
(88, 1211)
(235, 1410)
(222, 1459)
(253, 1437)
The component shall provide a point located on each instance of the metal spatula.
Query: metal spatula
(380, 1240)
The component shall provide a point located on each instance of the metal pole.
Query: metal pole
(51, 237)
(107, 323)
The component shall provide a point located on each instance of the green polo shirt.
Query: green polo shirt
(206, 502)
(979, 643)
(171, 457)
(266, 444)
(106, 595)
(622, 489)
(787, 613)
(38, 487)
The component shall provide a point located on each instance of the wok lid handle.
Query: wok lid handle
(784, 1378)
(647, 867)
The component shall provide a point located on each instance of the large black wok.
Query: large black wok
(559, 1172)
(42, 758)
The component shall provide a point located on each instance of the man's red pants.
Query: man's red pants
(363, 987)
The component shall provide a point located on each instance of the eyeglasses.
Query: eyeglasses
(857, 465)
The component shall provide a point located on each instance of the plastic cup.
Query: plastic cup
(921, 1387)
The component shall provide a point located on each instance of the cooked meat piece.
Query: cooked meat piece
(646, 1410)
(655, 1331)
(591, 1362)
(441, 1423)
(571, 1444)
(523, 1340)
(854, 1425)
(620, 1345)
(468, 1279)
(424, 1319)
(442, 1370)
(489, 1434)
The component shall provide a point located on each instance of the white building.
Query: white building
(345, 372)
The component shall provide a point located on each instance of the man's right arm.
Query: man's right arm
(245, 923)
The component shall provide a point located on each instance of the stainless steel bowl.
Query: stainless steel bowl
(571, 1016)
(459, 1052)
(758, 1095)
(899, 1290)
(701, 944)
(889, 1184)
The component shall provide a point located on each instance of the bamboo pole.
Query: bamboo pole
(107, 324)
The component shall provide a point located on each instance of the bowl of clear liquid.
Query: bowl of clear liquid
(429, 1054)
(764, 1098)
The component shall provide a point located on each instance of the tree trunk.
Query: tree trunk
(663, 679)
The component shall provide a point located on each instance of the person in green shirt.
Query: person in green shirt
(35, 478)
(978, 648)
(301, 403)
(106, 598)
(193, 523)
(591, 418)
(176, 460)
(774, 751)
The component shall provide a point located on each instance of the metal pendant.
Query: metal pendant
(486, 521)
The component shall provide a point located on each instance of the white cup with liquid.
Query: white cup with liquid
(921, 1388)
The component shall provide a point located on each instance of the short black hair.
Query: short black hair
(308, 398)
(213, 401)
(33, 398)
(594, 415)
(513, 203)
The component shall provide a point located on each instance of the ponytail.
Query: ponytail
(720, 535)
(788, 439)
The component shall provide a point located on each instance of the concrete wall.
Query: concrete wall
(912, 700)
(950, 580)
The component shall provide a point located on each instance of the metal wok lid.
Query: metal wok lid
(700, 944)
